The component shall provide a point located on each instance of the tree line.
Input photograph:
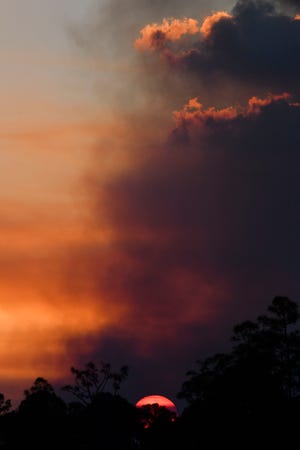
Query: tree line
(246, 398)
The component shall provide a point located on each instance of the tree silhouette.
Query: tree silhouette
(256, 385)
(109, 421)
(268, 348)
(158, 428)
(5, 405)
(284, 343)
(154, 415)
(40, 418)
(40, 385)
(92, 380)
(41, 401)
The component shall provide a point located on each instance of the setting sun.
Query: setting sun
(159, 400)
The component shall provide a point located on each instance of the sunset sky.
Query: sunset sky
(150, 182)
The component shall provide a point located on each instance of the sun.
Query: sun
(160, 400)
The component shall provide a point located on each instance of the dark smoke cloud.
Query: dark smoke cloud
(204, 226)
(257, 45)
(206, 230)
(288, 3)
(248, 162)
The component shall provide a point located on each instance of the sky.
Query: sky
(150, 182)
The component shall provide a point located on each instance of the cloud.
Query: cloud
(193, 115)
(155, 36)
(254, 44)
(287, 3)
(204, 228)
(196, 234)
(193, 223)
(210, 21)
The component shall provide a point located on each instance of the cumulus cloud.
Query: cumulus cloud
(193, 115)
(155, 36)
(210, 21)
(254, 43)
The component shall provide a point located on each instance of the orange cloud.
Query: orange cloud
(193, 112)
(255, 104)
(154, 36)
(211, 20)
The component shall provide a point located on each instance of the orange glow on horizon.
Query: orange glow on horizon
(35, 336)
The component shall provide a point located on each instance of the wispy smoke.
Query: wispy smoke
(203, 224)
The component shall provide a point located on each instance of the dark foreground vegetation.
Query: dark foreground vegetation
(248, 398)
